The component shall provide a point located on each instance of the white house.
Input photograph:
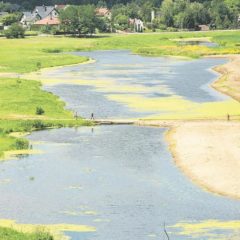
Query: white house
(137, 24)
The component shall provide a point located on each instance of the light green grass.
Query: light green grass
(24, 55)
(20, 98)
(10, 234)
(18, 102)
(7, 127)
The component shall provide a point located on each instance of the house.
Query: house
(203, 27)
(39, 13)
(103, 12)
(137, 24)
(28, 18)
(48, 21)
(59, 7)
(45, 11)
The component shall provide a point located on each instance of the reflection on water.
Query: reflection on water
(119, 179)
(119, 75)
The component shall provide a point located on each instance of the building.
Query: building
(45, 11)
(137, 24)
(48, 21)
(203, 27)
(60, 7)
(103, 12)
(39, 13)
(28, 18)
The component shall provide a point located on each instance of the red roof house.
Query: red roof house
(48, 21)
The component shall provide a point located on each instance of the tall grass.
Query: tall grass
(10, 234)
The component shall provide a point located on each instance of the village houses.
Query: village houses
(42, 15)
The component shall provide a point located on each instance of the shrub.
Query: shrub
(15, 31)
(40, 111)
(171, 29)
(21, 144)
(38, 124)
(41, 235)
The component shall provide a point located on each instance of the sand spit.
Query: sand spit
(209, 153)
(229, 82)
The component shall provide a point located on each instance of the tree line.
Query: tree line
(169, 14)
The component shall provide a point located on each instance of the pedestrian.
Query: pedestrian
(92, 116)
(76, 115)
(228, 117)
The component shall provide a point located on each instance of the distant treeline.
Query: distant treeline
(168, 14)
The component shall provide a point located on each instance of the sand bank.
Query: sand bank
(229, 82)
(209, 153)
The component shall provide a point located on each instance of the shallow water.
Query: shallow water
(119, 179)
(199, 43)
(119, 73)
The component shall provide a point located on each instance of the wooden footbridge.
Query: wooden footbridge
(114, 121)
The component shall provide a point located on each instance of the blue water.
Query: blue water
(120, 179)
(124, 174)
(189, 79)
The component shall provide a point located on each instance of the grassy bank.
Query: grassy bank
(32, 53)
(10, 234)
(19, 102)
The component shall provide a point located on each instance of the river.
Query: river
(122, 180)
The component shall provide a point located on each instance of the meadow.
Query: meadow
(32, 53)
(19, 102)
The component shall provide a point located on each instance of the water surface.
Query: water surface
(119, 179)
(125, 75)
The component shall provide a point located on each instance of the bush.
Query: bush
(40, 111)
(38, 124)
(21, 144)
(41, 235)
(171, 29)
(14, 31)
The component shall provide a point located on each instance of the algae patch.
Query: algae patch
(209, 229)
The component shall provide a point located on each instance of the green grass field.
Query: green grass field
(32, 53)
(18, 103)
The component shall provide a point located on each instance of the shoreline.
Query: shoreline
(206, 151)
(176, 125)
(201, 157)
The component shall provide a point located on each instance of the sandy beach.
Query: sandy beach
(209, 153)
(229, 82)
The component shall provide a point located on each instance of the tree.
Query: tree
(121, 21)
(167, 13)
(14, 31)
(220, 14)
(10, 19)
(79, 19)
